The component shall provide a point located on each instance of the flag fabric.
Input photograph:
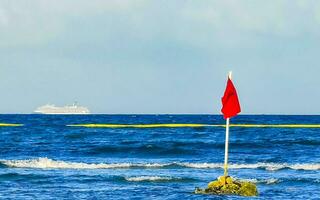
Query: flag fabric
(230, 101)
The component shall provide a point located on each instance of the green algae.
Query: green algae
(227, 186)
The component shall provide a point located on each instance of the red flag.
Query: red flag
(230, 101)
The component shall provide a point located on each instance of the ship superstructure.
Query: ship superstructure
(68, 109)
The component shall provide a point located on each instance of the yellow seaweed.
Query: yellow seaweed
(138, 125)
(228, 186)
(5, 124)
(195, 125)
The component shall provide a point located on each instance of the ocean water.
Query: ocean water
(45, 159)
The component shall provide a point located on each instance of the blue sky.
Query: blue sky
(142, 56)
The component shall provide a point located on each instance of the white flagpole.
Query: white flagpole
(227, 142)
(226, 148)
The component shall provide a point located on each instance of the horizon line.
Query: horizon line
(284, 114)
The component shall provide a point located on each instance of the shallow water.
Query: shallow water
(45, 159)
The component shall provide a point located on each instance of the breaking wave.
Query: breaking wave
(266, 166)
(263, 181)
(157, 179)
(272, 181)
(46, 163)
(143, 178)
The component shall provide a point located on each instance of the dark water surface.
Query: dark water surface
(45, 159)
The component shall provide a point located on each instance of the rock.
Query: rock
(214, 184)
(248, 189)
(229, 180)
(225, 185)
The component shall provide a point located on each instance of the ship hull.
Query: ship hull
(66, 110)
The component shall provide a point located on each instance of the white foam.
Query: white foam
(267, 166)
(272, 181)
(305, 166)
(234, 166)
(201, 165)
(266, 181)
(46, 163)
(149, 178)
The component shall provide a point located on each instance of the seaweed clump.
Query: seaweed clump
(226, 186)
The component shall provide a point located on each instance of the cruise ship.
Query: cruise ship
(52, 109)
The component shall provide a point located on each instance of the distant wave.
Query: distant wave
(266, 166)
(261, 181)
(170, 148)
(37, 177)
(272, 181)
(148, 178)
(141, 149)
(46, 163)
(157, 179)
(144, 178)
(14, 176)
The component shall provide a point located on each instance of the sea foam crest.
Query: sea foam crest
(56, 164)
(265, 181)
(150, 178)
(53, 164)
(266, 166)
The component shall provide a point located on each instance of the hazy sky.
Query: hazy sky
(144, 56)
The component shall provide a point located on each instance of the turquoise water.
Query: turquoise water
(45, 159)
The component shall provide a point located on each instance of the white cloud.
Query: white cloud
(281, 17)
(37, 21)
(34, 22)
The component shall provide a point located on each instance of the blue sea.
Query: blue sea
(45, 159)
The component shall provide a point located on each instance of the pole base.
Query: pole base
(225, 185)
